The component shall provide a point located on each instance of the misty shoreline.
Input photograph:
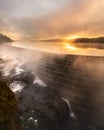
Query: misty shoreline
(82, 49)
(76, 40)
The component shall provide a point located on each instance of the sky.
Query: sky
(42, 19)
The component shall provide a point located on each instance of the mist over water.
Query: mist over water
(86, 49)
(63, 83)
(56, 85)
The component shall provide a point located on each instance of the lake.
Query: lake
(58, 86)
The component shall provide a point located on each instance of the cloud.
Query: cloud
(74, 17)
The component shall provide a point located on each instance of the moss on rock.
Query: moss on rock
(7, 101)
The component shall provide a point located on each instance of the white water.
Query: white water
(39, 81)
(17, 86)
(69, 106)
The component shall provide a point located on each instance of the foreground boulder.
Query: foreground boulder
(7, 107)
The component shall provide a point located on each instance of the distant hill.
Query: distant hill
(52, 40)
(4, 38)
(90, 40)
(77, 40)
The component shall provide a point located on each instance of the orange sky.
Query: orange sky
(35, 19)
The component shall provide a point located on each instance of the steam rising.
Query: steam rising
(16, 65)
(77, 78)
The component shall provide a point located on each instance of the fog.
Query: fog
(50, 19)
(63, 48)
(41, 76)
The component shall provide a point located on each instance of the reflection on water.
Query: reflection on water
(90, 49)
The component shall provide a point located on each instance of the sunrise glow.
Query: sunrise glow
(72, 37)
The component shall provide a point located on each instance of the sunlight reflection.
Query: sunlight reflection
(71, 47)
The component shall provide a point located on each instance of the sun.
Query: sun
(72, 37)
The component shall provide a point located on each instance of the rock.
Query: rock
(4, 38)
